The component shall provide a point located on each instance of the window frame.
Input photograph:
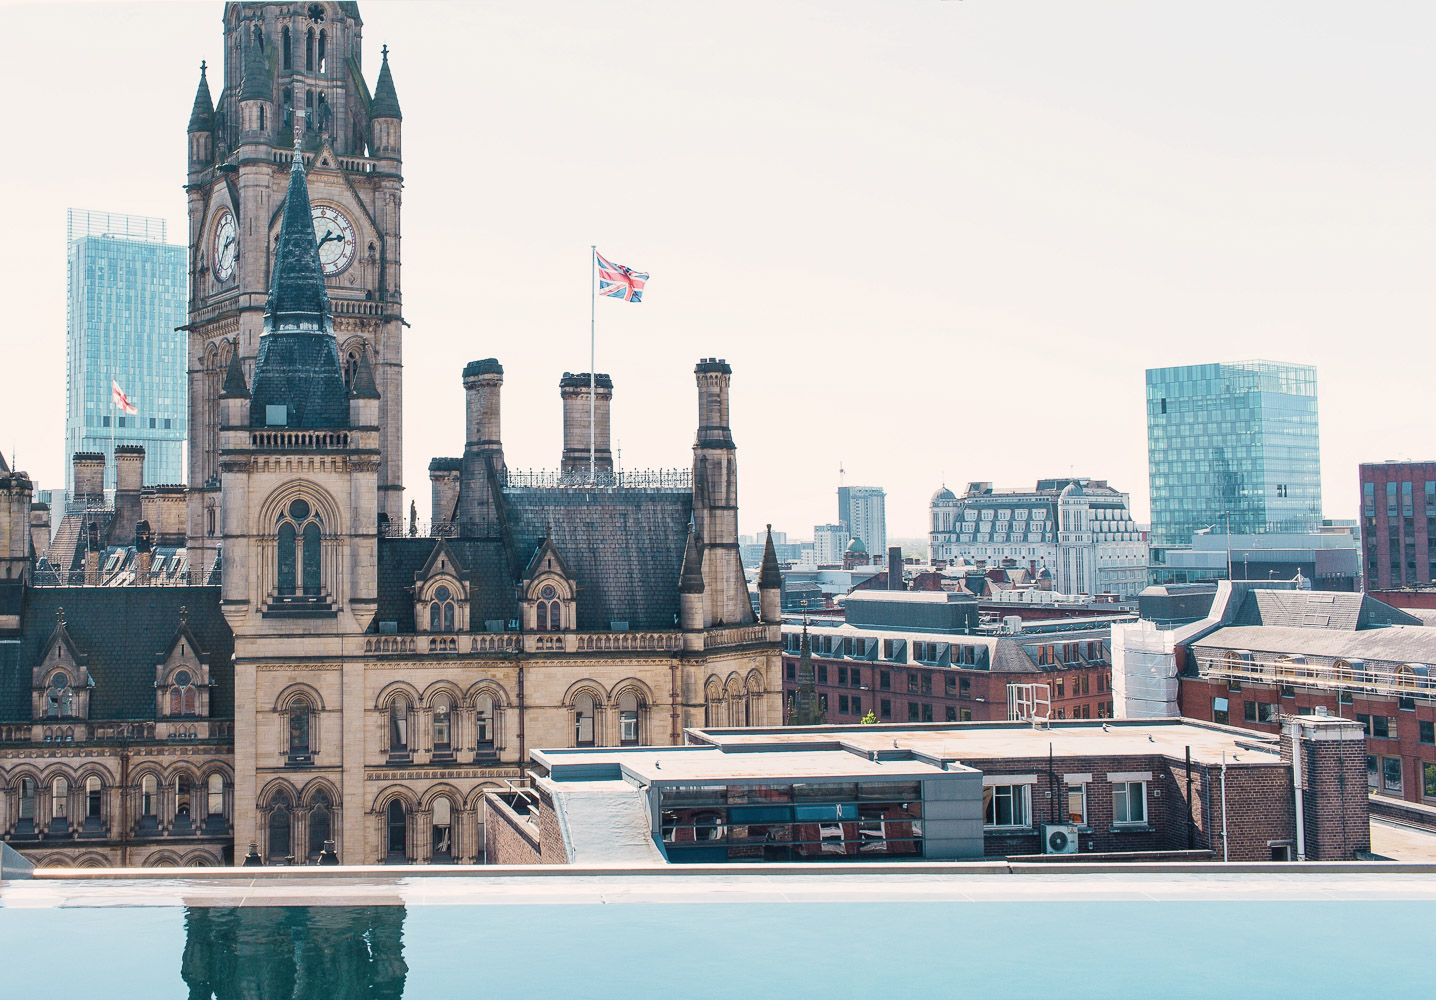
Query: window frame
(1016, 802)
(1123, 789)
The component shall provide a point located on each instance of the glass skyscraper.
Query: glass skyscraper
(125, 297)
(1232, 442)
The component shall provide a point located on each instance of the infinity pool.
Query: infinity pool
(770, 938)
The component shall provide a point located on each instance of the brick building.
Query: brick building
(832, 793)
(1398, 524)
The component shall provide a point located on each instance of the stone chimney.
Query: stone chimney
(1328, 758)
(895, 580)
(483, 446)
(574, 389)
(89, 475)
(16, 491)
(129, 480)
(39, 528)
(715, 499)
(94, 549)
(443, 490)
(144, 554)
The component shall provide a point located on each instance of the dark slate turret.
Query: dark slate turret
(769, 576)
(364, 387)
(386, 101)
(234, 387)
(298, 364)
(201, 116)
(258, 83)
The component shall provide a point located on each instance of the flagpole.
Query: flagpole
(592, 300)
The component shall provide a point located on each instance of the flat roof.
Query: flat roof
(1020, 741)
(676, 765)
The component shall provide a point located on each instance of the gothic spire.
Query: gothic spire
(297, 298)
(691, 578)
(201, 117)
(234, 387)
(364, 387)
(769, 578)
(258, 83)
(386, 102)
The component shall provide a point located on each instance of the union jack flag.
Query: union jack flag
(619, 282)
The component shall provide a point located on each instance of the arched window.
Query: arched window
(398, 838)
(484, 723)
(182, 803)
(299, 726)
(442, 744)
(550, 612)
(351, 368)
(321, 824)
(628, 705)
(542, 617)
(261, 116)
(299, 533)
(149, 795)
(399, 724)
(59, 799)
(309, 50)
(92, 797)
(321, 50)
(259, 36)
(583, 713)
(27, 799)
(216, 795)
(60, 697)
(443, 826)
(442, 610)
(184, 697)
(280, 828)
(286, 48)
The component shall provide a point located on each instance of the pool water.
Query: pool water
(1037, 948)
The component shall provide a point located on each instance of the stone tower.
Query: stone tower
(292, 80)
(715, 500)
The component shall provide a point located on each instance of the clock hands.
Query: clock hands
(330, 235)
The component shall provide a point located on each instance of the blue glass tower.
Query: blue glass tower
(1232, 443)
(125, 298)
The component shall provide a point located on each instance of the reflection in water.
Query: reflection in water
(268, 952)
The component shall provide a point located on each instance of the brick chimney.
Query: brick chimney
(1328, 758)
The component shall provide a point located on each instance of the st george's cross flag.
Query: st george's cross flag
(618, 282)
(122, 401)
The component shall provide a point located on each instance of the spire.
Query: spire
(805, 708)
(297, 298)
(201, 117)
(364, 387)
(691, 579)
(258, 84)
(386, 102)
(234, 387)
(768, 576)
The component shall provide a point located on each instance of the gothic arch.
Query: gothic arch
(57, 770)
(387, 692)
(586, 686)
(54, 861)
(490, 687)
(287, 696)
(450, 792)
(163, 859)
(216, 767)
(389, 793)
(475, 799)
(733, 687)
(92, 860)
(198, 859)
(638, 687)
(320, 499)
(182, 767)
(265, 799)
(755, 682)
(316, 785)
(456, 697)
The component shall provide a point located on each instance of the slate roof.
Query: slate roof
(121, 630)
(1395, 643)
(386, 101)
(364, 387)
(481, 563)
(1318, 609)
(258, 82)
(234, 387)
(201, 116)
(624, 547)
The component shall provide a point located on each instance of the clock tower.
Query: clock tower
(293, 85)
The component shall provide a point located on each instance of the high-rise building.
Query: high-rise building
(1398, 524)
(125, 300)
(864, 510)
(1232, 447)
(830, 541)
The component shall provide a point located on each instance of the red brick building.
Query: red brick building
(1398, 524)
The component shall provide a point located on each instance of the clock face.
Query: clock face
(335, 235)
(223, 247)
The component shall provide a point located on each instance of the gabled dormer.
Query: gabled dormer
(61, 680)
(441, 593)
(182, 677)
(548, 593)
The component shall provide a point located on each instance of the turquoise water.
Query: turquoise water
(730, 950)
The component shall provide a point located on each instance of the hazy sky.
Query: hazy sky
(937, 240)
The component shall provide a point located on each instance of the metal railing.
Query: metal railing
(1399, 680)
(628, 479)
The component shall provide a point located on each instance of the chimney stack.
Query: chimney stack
(144, 554)
(574, 389)
(483, 447)
(895, 580)
(715, 500)
(443, 490)
(129, 479)
(89, 475)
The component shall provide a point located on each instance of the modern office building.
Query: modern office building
(1081, 530)
(864, 510)
(1325, 560)
(1398, 524)
(1232, 446)
(830, 541)
(125, 300)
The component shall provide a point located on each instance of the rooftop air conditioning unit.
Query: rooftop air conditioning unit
(1059, 838)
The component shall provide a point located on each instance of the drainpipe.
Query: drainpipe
(673, 702)
(523, 751)
(1225, 856)
(1296, 785)
(124, 802)
(1190, 831)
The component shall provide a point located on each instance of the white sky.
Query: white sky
(937, 240)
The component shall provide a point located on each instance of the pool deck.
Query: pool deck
(975, 883)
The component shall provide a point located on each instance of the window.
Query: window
(27, 799)
(628, 719)
(484, 723)
(911, 683)
(398, 725)
(857, 704)
(843, 704)
(442, 610)
(949, 685)
(1260, 712)
(1220, 711)
(309, 50)
(583, 712)
(397, 822)
(1427, 731)
(550, 613)
(321, 824)
(287, 48)
(280, 829)
(299, 727)
(1077, 804)
(791, 670)
(950, 714)
(822, 674)
(1383, 727)
(1373, 771)
(443, 842)
(92, 797)
(216, 796)
(1391, 774)
(184, 697)
(59, 799)
(149, 796)
(1129, 803)
(926, 712)
(1005, 805)
(298, 535)
(927, 684)
(965, 715)
(913, 711)
(885, 680)
(59, 698)
(442, 745)
(842, 675)
(885, 709)
(1429, 783)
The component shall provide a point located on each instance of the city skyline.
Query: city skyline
(1227, 208)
